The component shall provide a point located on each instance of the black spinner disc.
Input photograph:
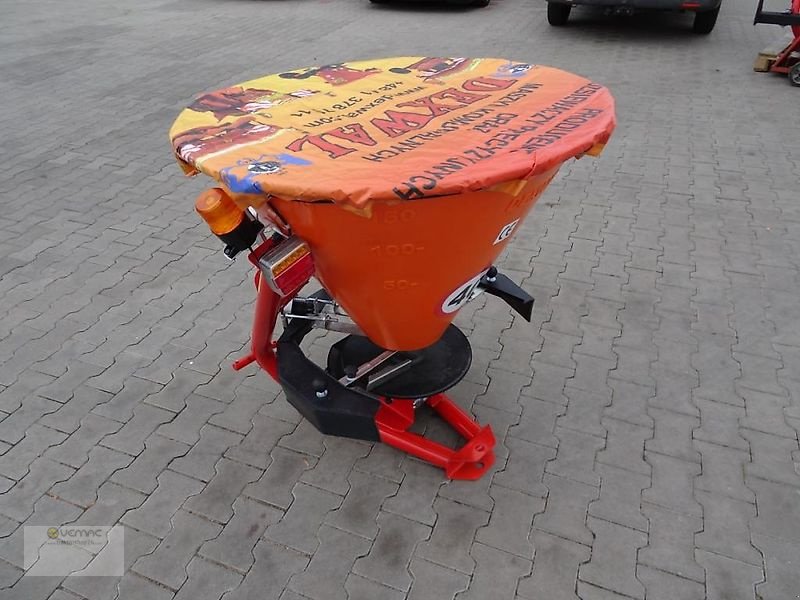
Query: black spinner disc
(433, 369)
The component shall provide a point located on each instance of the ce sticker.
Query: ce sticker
(506, 231)
(462, 294)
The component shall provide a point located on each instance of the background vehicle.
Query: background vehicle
(706, 11)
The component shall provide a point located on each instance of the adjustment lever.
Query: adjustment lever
(499, 285)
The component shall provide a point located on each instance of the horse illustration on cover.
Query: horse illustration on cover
(195, 144)
(239, 101)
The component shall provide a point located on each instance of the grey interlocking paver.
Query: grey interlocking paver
(672, 484)
(234, 546)
(299, 528)
(613, 562)
(388, 559)
(625, 446)
(274, 566)
(453, 535)
(576, 456)
(725, 527)
(555, 568)
(207, 580)
(131, 437)
(216, 500)
(771, 457)
(142, 472)
(81, 488)
(432, 580)
(330, 473)
(620, 497)
(671, 543)
(18, 502)
(567, 505)
(525, 467)
(275, 485)
(510, 521)
(186, 426)
(496, 573)
(155, 514)
(16, 460)
(167, 564)
(200, 460)
(728, 579)
(666, 586)
(365, 498)
(414, 499)
(326, 573)
(74, 451)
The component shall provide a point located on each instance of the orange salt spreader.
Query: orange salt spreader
(396, 183)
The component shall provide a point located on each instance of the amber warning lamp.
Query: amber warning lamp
(234, 226)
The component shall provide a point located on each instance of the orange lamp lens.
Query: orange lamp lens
(219, 211)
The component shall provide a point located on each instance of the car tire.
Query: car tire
(558, 13)
(704, 21)
(794, 75)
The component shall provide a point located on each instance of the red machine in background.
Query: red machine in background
(787, 60)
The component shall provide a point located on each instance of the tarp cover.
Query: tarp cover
(392, 129)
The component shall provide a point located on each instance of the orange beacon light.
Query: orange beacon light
(227, 221)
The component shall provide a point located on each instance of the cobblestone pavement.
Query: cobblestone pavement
(647, 419)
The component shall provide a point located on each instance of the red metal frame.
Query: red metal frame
(395, 416)
(784, 62)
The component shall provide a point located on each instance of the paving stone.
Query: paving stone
(666, 586)
(155, 514)
(142, 472)
(275, 485)
(584, 410)
(576, 456)
(69, 416)
(216, 500)
(112, 502)
(764, 413)
(671, 543)
(18, 502)
(453, 535)
(592, 374)
(136, 543)
(167, 564)
(361, 505)
(782, 561)
(620, 497)
(725, 528)
(299, 527)
(12, 397)
(567, 504)
(173, 395)
(673, 484)
(186, 426)
(234, 546)
(274, 566)
(496, 573)
(133, 434)
(304, 439)
(728, 579)
(238, 416)
(414, 499)
(537, 422)
(434, 581)
(12, 428)
(772, 458)
(510, 521)
(326, 573)
(81, 488)
(383, 461)
(548, 382)
(47, 511)
(613, 563)
(31, 588)
(74, 451)
(723, 469)
(525, 467)
(120, 407)
(360, 588)
(200, 460)
(389, 557)
(673, 435)
(625, 446)
(555, 568)
(330, 473)
(207, 580)
(15, 462)
(132, 587)
(778, 510)
(503, 391)
(674, 391)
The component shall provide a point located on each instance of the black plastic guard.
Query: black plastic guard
(343, 412)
